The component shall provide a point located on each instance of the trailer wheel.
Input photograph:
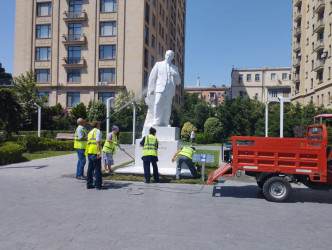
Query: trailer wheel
(277, 189)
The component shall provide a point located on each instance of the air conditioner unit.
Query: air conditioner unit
(323, 55)
(98, 83)
(60, 83)
(105, 83)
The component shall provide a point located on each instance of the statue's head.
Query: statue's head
(169, 56)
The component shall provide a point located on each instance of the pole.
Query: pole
(266, 119)
(281, 116)
(39, 118)
(134, 122)
(108, 106)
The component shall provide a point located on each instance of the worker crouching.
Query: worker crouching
(184, 157)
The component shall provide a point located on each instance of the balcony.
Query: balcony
(297, 3)
(297, 47)
(297, 15)
(73, 39)
(74, 16)
(297, 62)
(296, 78)
(73, 62)
(319, 65)
(319, 6)
(319, 45)
(319, 25)
(297, 31)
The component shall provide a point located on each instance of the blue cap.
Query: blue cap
(114, 127)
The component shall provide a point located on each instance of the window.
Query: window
(107, 28)
(73, 98)
(108, 5)
(273, 77)
(74, 55)
(146, 35)
(284, 76)
(44, 9)
(73, 75)
(285, 93)
(75, 8)
(219, 95)
(153, 41)
(219, 103)
(248, 77)
(42, 75)
(289, 77)
(74, 31)
(320, 75)
(211, 96)
(107, 52)
(106, 75)
(153, 20)
(146, 60)
(152, 61)
(241, 94)
(40, 96)
(312, 83)
(147, 13)
(274, 93)
(103, 96)
(240, 78)
(329, 98)
(257, 77)
(154, 2)
(43, 53)
(43, 31)
(145, 79)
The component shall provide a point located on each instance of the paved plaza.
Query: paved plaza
(42, 206)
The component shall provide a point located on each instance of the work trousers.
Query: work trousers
(81, 162)
(93, 167)
(184, 161)
(146, 165)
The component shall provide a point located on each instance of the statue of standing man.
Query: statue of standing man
(161, 89)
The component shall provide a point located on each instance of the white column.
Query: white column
(134, 122)
(281, 99)
(39, 118)
(108, 106)
(266, 119)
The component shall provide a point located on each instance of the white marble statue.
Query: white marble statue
(161, 90)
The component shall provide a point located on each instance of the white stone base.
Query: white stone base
(164, 133)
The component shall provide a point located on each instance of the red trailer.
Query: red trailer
(276, 162)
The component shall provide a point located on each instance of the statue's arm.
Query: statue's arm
(153, 80)
(176, 77)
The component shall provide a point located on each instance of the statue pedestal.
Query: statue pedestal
(168, 138)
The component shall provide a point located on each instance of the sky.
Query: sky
(220, 35)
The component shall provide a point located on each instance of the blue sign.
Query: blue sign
(208, 158)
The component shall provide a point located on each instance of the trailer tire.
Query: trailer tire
(277, 189)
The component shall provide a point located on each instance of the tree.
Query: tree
(186, 130)
(27, 90)
(3, 73)
(96, 111)
(10, 111)
(79, 111)
(213, 127)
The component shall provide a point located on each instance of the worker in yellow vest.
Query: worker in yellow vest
(150, 154)
(93, 151)
(184, 158)
(80, 143)
(109, 148)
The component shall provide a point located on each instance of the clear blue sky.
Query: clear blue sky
(219, 34)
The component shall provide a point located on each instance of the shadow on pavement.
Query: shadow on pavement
(35, 167)
(302, 195)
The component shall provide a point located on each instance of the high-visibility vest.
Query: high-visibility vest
(80, 144)
(150, 146)
(92, 147)
(109, 147)
(187, 151)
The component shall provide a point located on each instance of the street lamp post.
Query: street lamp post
(281, 99)
(134, 122)
(266, 118)
(108, 107)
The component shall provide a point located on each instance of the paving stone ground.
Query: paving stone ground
(43, 207)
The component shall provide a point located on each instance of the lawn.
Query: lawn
(209, 168)
(44, 154)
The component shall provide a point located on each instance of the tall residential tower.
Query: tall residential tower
(85, 50)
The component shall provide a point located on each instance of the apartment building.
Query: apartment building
(84, 50)
(311, 52)
(212, 94)
(264, 83)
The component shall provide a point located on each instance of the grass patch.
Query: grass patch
(44, 154)
(209, 168)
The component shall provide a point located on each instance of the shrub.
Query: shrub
(55, 145)
(31, 143)
(10, 152)
(186, 130)
(213, 126)
(203, 138)
(127, 137)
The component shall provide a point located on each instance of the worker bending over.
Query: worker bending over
(184, 157)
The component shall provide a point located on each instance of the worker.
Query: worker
(80, 143)
(109, 148)
(150, 154)
(184, 158)
(93, 151)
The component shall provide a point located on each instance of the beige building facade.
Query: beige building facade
(84, 50)
(311, 52)
(264, 83)
(213, 95)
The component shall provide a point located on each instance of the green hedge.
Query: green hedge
(203, 138)
(45, 133)
(55, 145)
(10, 152)
(127, 137)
